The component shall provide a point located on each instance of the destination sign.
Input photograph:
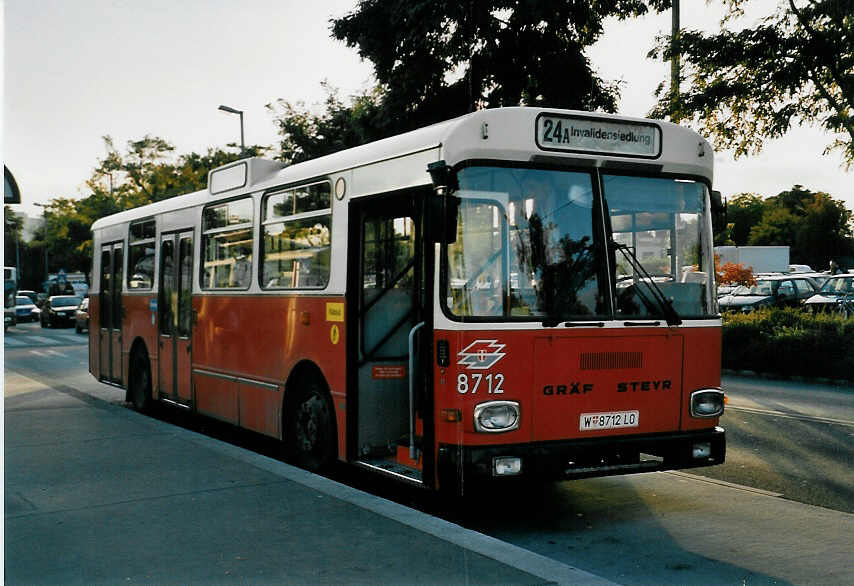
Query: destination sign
(593, 135)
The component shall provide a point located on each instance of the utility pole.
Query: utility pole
(674, 63)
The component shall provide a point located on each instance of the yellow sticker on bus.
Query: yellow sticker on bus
(335, 311)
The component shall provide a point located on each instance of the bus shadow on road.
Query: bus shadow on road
(620, 528)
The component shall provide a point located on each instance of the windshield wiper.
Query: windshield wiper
(553, 322)
(661, 300)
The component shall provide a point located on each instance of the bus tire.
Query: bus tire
(139, 382)
(310, 440)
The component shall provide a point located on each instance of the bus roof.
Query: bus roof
(493, 134)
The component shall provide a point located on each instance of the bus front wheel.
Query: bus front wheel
(310, 439)
(139, 385)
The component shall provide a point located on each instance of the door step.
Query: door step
(174, 403)
(392, 468)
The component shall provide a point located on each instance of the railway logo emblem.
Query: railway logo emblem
(481, 354)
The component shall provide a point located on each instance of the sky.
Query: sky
(76, 70)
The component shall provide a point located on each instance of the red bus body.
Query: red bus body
(372, 362)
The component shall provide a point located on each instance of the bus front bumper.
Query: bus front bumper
(583, 458)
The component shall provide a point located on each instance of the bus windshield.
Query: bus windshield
(535, 244)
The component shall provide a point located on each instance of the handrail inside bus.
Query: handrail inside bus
(389, 287)
(412, 389)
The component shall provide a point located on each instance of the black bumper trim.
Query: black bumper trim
(584, 458)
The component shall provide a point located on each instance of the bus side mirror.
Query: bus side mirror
(718, 212)
(443, 210)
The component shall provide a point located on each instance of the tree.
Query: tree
(734, 274)
(826, 232)
(777, 227)
(795, 66)
(306, 135)
(436, 59)
(814, 225)
(13, 225)
(744, 211)
(146, 173)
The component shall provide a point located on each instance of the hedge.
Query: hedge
(789, 342)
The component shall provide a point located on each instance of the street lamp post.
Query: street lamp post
(240, 113)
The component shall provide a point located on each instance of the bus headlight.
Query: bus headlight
(707, 403)
(496, 416)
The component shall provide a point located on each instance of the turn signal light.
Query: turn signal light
(451, 415)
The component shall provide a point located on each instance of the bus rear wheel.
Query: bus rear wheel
(310, 439)
(139, 385)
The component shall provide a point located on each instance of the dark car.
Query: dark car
(81, 317)
(24, 307)
(59, 310)
(776, 291)
(837, 293)
(34, 297)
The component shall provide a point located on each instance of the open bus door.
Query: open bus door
(110, 313)
(175, 313)
(390, 332)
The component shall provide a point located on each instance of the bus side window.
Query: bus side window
(141, 255)
(227, 235)
(297, 238)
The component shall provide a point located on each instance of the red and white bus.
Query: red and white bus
(518, 292)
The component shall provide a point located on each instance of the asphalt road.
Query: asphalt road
(792, 438)
(750, 521)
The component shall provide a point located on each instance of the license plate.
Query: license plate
(610, 420)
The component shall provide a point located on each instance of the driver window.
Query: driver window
(476, 263)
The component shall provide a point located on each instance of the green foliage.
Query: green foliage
(744, 211)
(795, 66)
(13, 224)
(436, 59)
(146, 172)
(816, 226)
(306, 135)
(789, 342)
(777, 226)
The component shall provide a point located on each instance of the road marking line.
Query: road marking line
(723, 483)
(41, 340)
(812, 418)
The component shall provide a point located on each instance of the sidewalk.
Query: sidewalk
(98, 494)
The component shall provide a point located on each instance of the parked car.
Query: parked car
(777, 291)
(725, 290)
(59, 310)
(819, 278)
(800, 269)
(24, 307)
(81, 317)
(836, 290)
(34, 297)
